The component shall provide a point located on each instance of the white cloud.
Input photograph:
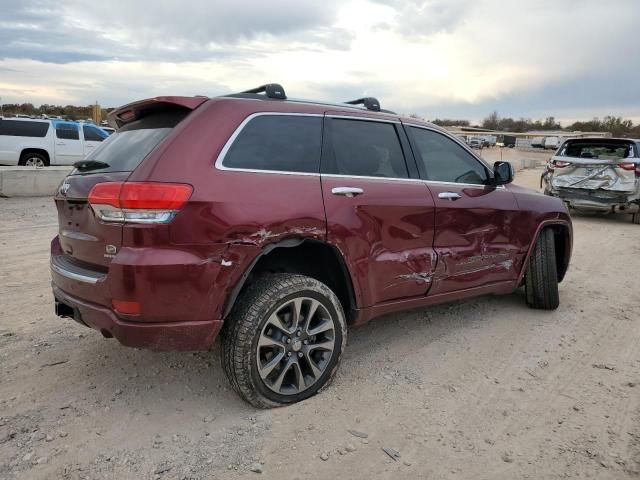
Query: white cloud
(434, 58)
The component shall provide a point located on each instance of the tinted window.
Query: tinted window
(443, 160)
(67, 131)
(92, 134)
(19, 128)
(278, 142)
(124, 150)
(362, 148)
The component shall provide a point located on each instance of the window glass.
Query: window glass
(23, 128)
(289, 143)
(443, 160)
(67, 131)
(364, 148)
(124, 150)
(92, 134)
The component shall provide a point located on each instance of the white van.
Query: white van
(40, 143)
(551, 143)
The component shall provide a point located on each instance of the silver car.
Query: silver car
(596, 175)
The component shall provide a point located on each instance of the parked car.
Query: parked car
(509, 141)
(596, 175)
(109, 130)
(277, 224)
(476, 143)
(40, 143)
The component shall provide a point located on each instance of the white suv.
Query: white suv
(40, 143)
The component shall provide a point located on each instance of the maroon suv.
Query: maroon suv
(279, 222)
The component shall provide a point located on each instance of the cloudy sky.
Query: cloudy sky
(573, 59)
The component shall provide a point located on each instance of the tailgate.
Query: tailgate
(592, 175)
(83, 238)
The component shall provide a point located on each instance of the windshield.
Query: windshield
(124, 150)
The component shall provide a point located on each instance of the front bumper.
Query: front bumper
(190, 335)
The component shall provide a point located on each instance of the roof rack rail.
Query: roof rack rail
(271, 90)
(370, 103)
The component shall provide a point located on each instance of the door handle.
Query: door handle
(61, 143)
(347, 191)
(449, 195)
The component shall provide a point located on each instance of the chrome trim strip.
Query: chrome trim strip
(73, 275)
(357, 177)
(365, 119)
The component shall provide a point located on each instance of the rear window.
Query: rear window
(67, 131)
(92, 134)
(124, 150)
(364, 148)
(284, 143)
(599, 149)
(23, 128)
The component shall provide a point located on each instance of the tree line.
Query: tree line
(617, 126)
(70, 112)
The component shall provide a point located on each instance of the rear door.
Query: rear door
(475, 223)
(68, 146)
(83, 237)
(380, 218)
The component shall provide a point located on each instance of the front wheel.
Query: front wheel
(541, 279)
(283, 340)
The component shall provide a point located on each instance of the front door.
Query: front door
(380, 219)
(475, 222)
(68, 148)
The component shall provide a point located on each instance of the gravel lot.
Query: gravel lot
(485, 388)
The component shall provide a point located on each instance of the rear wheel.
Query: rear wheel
(283, 340)
(541, 280)
(33, 160)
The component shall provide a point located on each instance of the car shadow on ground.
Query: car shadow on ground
(150, 380)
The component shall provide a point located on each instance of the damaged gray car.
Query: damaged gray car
(596, 175)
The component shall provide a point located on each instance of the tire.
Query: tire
(541, 279)
(635, 218)
(33, 160)
(256, 333)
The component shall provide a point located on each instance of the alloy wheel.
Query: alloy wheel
(295, 346)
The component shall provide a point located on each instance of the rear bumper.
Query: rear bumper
(592, 201)
(191, 335)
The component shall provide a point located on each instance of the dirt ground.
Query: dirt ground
(482, 389)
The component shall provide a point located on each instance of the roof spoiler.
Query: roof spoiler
(132, 111)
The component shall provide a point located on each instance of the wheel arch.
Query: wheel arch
(563, 245)
(41, 151)
(314, 258)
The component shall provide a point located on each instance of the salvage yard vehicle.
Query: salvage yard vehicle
(277, 223)
(596, 175)
(40, 143)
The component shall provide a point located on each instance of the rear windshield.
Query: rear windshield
(124, 150)
(598, 149)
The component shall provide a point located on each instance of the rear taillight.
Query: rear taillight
(138, 202)
(628, 166)
(560, 164)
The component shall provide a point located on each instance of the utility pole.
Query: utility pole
(1, 105)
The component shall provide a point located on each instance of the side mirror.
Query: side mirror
(502, 173)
